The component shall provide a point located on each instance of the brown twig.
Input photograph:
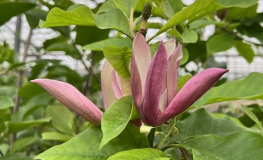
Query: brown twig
(185, 154)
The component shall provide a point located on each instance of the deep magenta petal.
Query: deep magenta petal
(72, 98)
(154, 84)
(190, 92)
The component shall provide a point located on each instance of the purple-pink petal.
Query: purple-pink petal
(190, 92)
(154, 83)
(116, 85)
(72, 98)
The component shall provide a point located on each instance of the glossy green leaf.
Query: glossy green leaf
(11, 9)
(62, 119)
(116, 41)
(126, 6)
(114, 19)
(201, 123)
(21, 143)
(251, 115)
(242, 145)
(78, 16)
(140, 154)
(119, 58)
(237, 3)
(56, 136)
(245, 50)
(86, 145)
(18, 126)
(218, 43)
(237, 13)
(6, 102)
(248, 88)
(116, 118)
(185, 14)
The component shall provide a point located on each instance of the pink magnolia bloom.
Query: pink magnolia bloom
(76, 101)
(154, 82)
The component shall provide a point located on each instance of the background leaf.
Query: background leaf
(211, 147)
(245, 51)
(247, 88)
(139, 154)
(86, 145)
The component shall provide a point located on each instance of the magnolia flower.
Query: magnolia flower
(76, 101)
(154, 82)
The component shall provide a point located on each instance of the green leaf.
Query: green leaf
(254, 31)
(16, 156)
(185, 14)
(108, 5)
(86, 145)
(245, 51)
(237, 13)
(21, 143)
(114, 19)
(248, 88)
(140, 154)
(181, 82)
(18, 126)
(77, 16)
(56, 136)
(34, 16)
(172, 6)
(30, 90)
(116, 118)
(90, 34)
(187, 36)
(11, 9)
(185, 56)
(39, 100)
(251, 115)
(237, 3)
(62, 119)
(119, 58)
(126, 6)
(242, 146)
(116, 41)
(5, 115)
(218, 43)
(201, 123)
(6, 102)
(202, 23)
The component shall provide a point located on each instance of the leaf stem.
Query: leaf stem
(185, 154)
(166, 133)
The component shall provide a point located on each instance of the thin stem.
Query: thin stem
(20, 80)
(185, 154)
(166, 133)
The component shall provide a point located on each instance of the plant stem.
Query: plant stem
(20, 80)
(185, 154)
(166, 133)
